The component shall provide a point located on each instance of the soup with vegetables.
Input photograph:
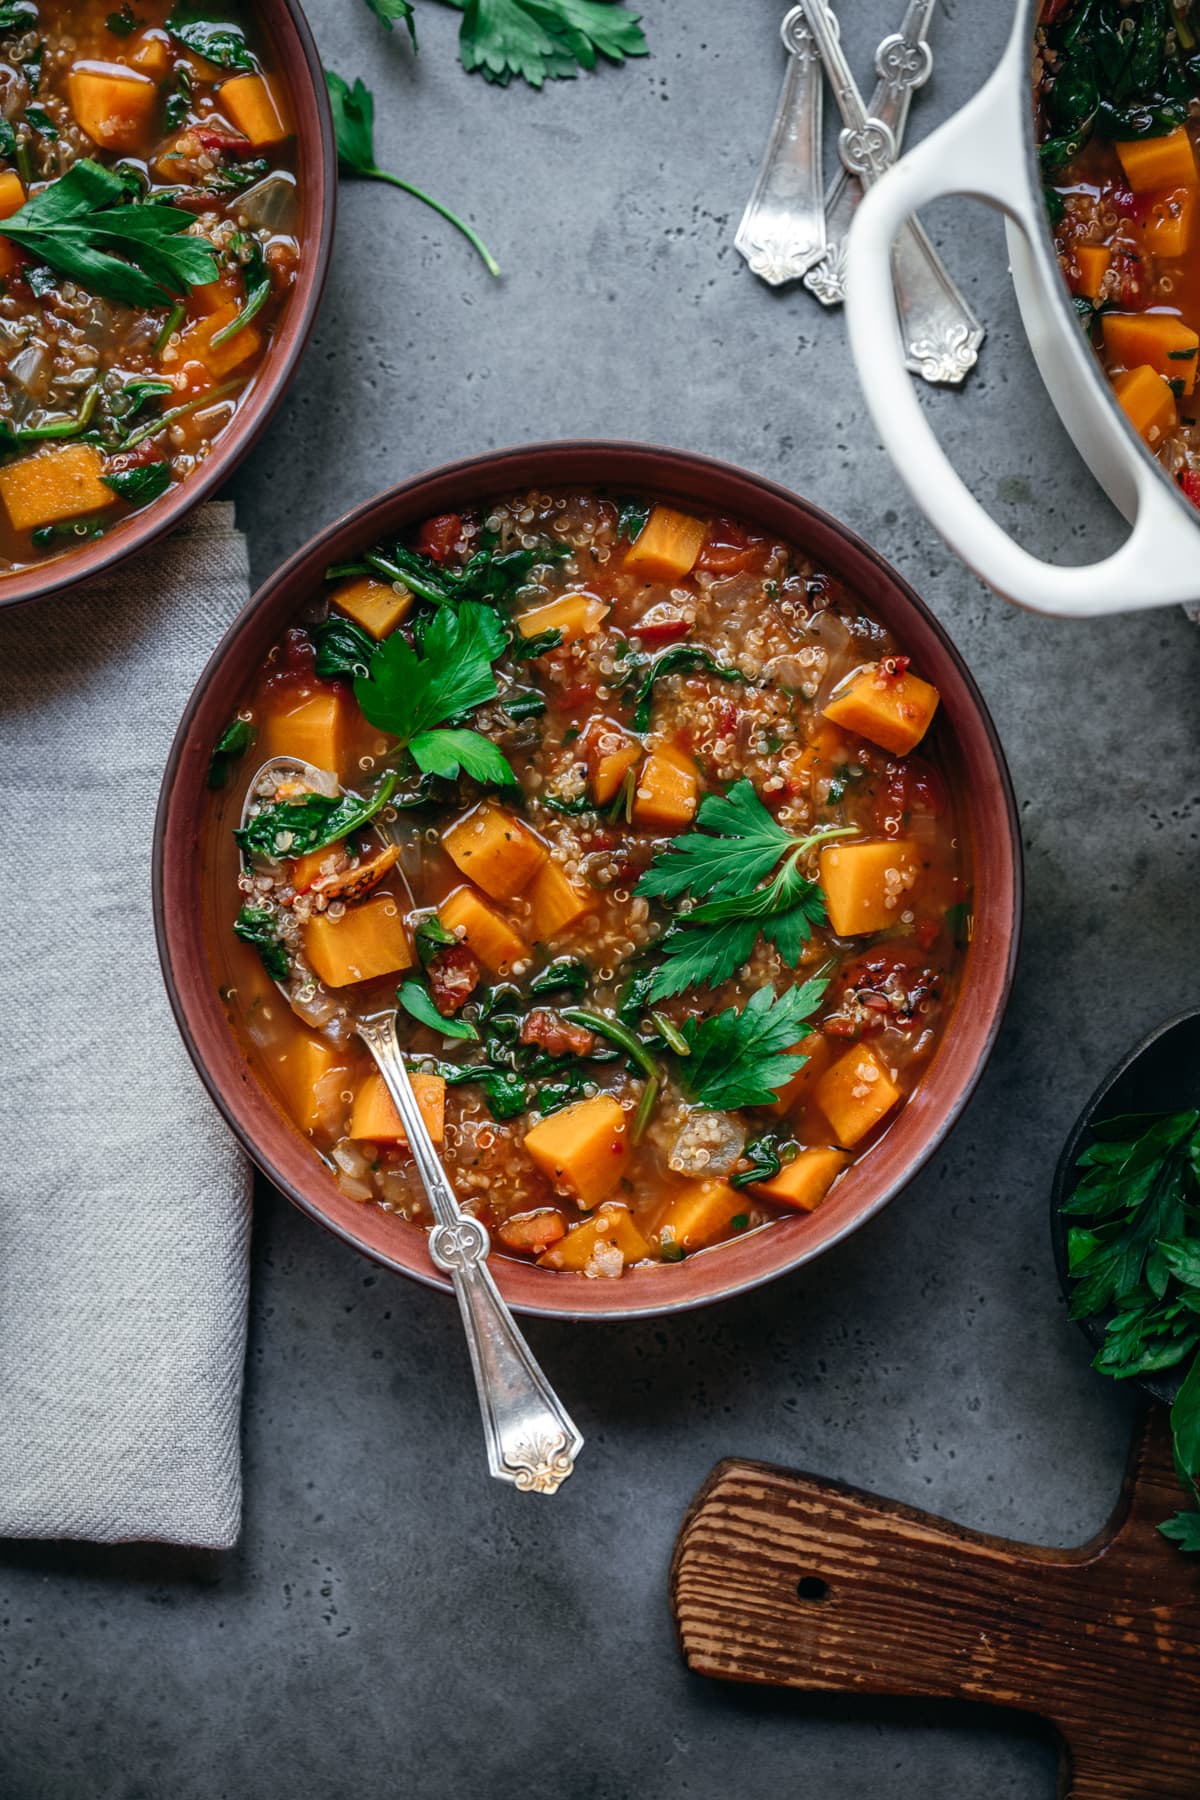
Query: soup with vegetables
(148, 211)
(642, 823)
(1118, 91)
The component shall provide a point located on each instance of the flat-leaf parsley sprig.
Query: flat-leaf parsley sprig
(743, 1058)
(411, 689)
(1137, 1257)
(354, 128)
(737, 845)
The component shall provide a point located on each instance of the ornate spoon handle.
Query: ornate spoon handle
(782, 232)
(903, 63)
(531, 1438)
(940, 335)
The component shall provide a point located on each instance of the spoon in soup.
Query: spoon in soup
(532, 1440)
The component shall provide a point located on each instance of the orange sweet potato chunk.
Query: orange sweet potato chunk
(486, 932)
(254, 106)
(614, 1225)
(575, 615)
(815, 1047)
(610, 753)
(205, 361)
(1147, 403)
(495, 850)
(375, 605)
(667, 792)
(116, 106)
(556, 902)
(893, 711)
(314, 731)
(532, 1232)
(667, 546)
(1092, 261)
(299, 1069)
(582, 1150)
(856, 1093)
(1169, 224)
(375, 1119)
(804, 1182)
(369, 940)
(699, 1213)
(1159, 339)
(1159, 162)
(12, 194)
(866, 884)
(54, 485)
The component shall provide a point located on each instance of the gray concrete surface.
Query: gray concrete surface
(394, 1623)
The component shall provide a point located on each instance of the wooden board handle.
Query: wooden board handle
(787, 1579)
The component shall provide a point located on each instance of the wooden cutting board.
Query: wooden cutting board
(792, 1581)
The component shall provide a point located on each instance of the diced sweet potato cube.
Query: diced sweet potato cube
(610, 753)
(313, 730)
(865, 884)
(1159, 162)
(211, 297)
(299, 1069)
(1147, 403)
(494, 850)
(54, 485)
(612, 1225)
(1168, 224)
(557, 903)
(532, 1232)
(255, 107)
(804, 1182)
(376, 1121)
(699, 1213)
(856, 1093)
(369, 940)
(1093, 262)
(486, 932)
(893, 711)
(1160, 339)
(375, 605)
(815, 1047)
(583, 1149)
(12, 193)
(304, 870)
(667, 546)
(196, 347)
(667, 792)
(150, 52)
(575, 615)
(116, 106)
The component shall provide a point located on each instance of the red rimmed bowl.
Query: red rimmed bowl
(981, 780)
(299, 65)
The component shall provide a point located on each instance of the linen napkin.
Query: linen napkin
(124, 1202)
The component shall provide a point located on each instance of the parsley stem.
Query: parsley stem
(171, 324)
(375, 173)
(414, 583)
(635, 1050)
(63, 428)
(675, 1038)
(254, 305)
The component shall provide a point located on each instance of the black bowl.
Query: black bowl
(1159, 1075)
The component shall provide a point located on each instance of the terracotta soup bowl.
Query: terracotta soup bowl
(969, 748)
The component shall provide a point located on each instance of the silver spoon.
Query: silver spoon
(782, 232)
(903, 63)
(532, 1440)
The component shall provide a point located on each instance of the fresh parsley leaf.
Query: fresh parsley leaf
(388, 11)
(137, 487)
(287, 828)
(743, 1058)
(631, 518)
(692, 658)
(1184, 1530)
(219, 41)
(446, 753)
(259, 928)
(232, 744)
(417, 1002)
(85, 226)
(354, 129)
(736, 845)
(343, 650)
(540, 40)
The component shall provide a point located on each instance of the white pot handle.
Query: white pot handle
(981, 153)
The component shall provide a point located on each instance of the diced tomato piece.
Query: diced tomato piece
(582, 693)
(667, 629)
(1189, 481)
(927, 932)
(453, 977)
(729, 548)
(727, 719)
(438, 536)
(533, 1231)
(225, 143)
(908, 787)
(299, 655)
(555, 1035)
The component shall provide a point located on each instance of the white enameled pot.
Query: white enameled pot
(988, 151)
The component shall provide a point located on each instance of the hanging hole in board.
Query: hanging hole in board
(811, 1587)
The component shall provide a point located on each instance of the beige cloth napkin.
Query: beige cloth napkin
(124, 1202)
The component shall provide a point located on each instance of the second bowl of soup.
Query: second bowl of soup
(666, 818)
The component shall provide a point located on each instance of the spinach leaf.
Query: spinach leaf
(286, 828)
(217, 40)
(569, 974)
(232, 744)
(137, 487)
(417, 1002)
(680, 658)
(343, 650)
(431, 936)
(631, 518)
(258, 928)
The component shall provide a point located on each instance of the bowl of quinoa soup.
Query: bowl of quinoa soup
(667, 817)
(167, 195)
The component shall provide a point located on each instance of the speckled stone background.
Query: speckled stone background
(394, 1623)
